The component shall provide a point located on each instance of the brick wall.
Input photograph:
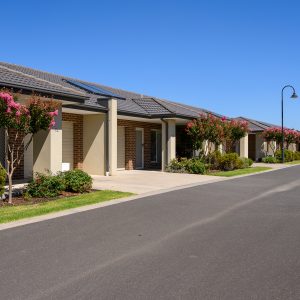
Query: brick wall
(130, 136)
(77, 137)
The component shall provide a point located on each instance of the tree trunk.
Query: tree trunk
(9, 188)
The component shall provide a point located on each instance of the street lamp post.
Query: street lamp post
(294, 96)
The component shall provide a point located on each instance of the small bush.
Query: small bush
(77, 181)
(213, 160)
(2, 179)
(45, 186)
(229, 162)
(288, 155)
(297, 155)
(269, 160)
(176, 166)
(193, 166)
(244, 163)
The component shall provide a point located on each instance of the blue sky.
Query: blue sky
(232, 57)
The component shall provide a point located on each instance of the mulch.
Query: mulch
(20, 200)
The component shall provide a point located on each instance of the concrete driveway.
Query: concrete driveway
(141, 181)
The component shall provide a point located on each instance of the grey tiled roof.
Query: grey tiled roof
(152, 106)
(134, 103)
(256, 126)
(19, 79)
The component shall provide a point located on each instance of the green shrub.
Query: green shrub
(2, 179)
(269, 160)
(45, 186)
(288, 155)
(244, 163)
(176, 166)
(229, 162)
(212, 159)
(193, 166)
(297, 155)
(77, 181)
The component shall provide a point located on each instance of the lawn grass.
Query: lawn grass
(295, 162)
(13, 213)
(240, 171)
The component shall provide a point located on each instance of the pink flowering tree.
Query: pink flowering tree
(19, 121)
(233, 131)
(271, 135)
(274, 134)
(215, 131)
(291, 136)
(195, 130)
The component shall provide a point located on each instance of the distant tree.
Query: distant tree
(215, 131)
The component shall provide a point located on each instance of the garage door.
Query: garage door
(121, 148)
(67, 143)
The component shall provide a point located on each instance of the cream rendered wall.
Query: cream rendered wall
(293, 147)
(47, 151)
(94, 144)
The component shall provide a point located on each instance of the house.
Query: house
(99, 129)
(257, 147)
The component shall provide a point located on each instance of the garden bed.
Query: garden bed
(21, 200)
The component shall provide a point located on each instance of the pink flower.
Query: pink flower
(18, 113)
(52, 124)
(6, 97)
(53, 113)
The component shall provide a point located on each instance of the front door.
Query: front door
(139, 147)
(252, 146)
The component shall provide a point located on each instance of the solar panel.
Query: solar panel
(95, 89)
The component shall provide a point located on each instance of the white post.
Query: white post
(163, 146)
(112, 136)
(171, 139)
(244, 146)
(220, 148)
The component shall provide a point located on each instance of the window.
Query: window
(156, 146)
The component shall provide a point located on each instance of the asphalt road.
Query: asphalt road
(237, 239)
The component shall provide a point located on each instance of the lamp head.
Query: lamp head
(294, 95)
